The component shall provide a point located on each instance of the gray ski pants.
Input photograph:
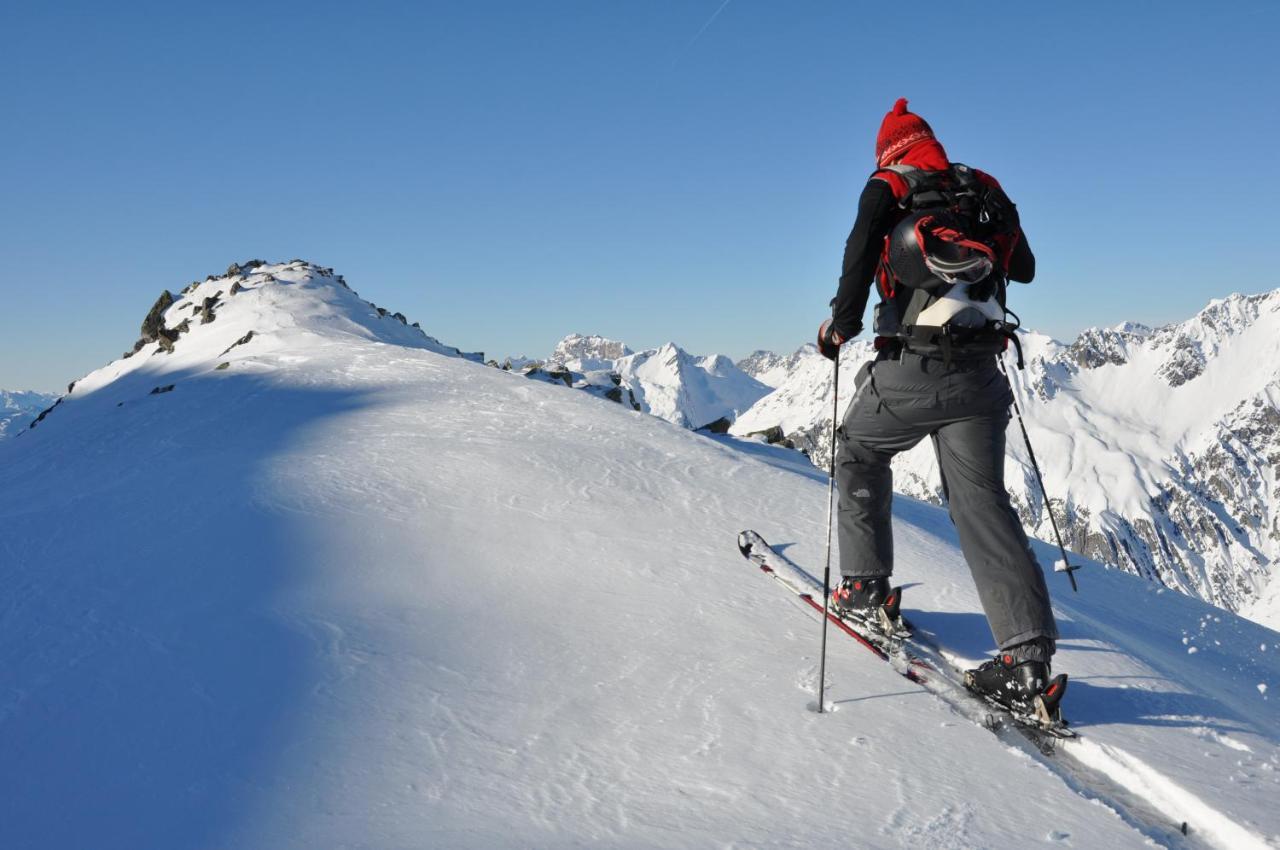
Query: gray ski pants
(964, 408)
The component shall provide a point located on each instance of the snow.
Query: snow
(667, 382)
(356, 591)
(19, 407)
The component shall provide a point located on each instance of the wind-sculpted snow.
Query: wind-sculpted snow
(1159, 447)
(355, 591)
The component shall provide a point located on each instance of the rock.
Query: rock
(233, 270)
(45, 413)
(401, 317)
(154, 321)
(167, 338)
(720, 426)
(222, 366)
(771, 435)
(539, 373)
(236, 287)
(206, 312)
(167, 388)
(241, 341)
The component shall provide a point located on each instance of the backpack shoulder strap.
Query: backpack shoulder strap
(902, 179)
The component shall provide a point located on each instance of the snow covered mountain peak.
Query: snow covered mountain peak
(587, 353)
(255, 318)
(668, 382)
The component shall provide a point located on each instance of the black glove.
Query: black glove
(829, 340)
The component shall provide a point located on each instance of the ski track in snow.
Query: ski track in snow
(352, 593)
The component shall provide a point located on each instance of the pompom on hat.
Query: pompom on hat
(900, 130)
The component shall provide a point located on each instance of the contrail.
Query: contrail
(711, 20)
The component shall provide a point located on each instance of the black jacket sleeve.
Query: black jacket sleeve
(876, 210)
(1022, 263)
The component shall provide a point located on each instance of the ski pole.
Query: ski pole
(1035, 465)
(831, 487)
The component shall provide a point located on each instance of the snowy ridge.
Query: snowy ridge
(355, 590)
(241, 321)
(1159, 446)
(19, 407)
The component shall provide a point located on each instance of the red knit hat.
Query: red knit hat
(900, 130)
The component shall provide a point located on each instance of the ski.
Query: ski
(908, 652)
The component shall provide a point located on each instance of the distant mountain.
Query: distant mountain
(19, 407)
(668, 382)
(771, 369)
(587, 353)
(1160, 447)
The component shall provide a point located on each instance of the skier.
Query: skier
(940, 240)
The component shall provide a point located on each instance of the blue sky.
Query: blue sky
(508, 173)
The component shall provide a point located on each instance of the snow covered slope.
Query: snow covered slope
(353, 590)
(1159, 446)
(18, 408)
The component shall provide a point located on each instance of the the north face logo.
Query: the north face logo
(864, 493)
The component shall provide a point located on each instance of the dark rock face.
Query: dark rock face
(167, 388)
(45, 413)
(206, 312)
(167, 338)
(222, 366)
(241, 341)
(236, 287)
(720, 426)
(773, 436)
(154, 321)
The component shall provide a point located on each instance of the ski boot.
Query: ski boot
(870, 601)
(1024, 688)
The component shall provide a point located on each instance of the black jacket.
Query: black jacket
(878, 214)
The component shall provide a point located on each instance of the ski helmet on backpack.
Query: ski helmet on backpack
(931, 249)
